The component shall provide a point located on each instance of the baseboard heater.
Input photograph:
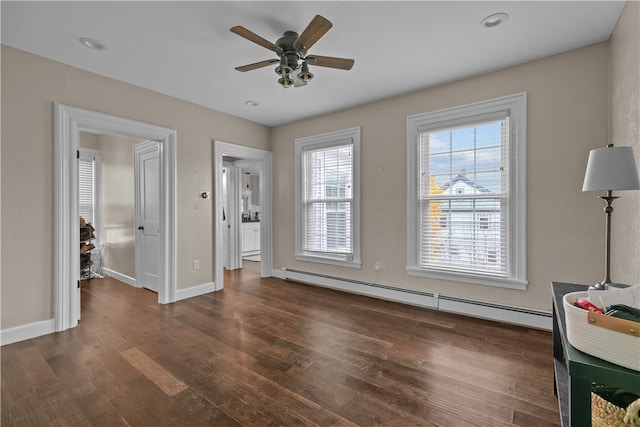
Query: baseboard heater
(469, 307)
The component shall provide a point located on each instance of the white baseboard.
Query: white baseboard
(121, 277)
(195, 291)
(25, 332)
(502, 313)
(538, 319)
(280, 274)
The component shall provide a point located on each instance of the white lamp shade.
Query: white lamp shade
(611, 168)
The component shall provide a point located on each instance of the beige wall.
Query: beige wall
(117, 203)
(89, 140)
(624, 102)
(30, 86)
(566, 116)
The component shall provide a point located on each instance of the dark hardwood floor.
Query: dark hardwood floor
(269, 352)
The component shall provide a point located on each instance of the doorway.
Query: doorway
(112, 208)
(241, 199)
(231, 216)
(250, 250)
(69, 122)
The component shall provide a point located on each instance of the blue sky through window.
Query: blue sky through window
(475, 149)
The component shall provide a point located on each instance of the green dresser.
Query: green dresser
(575, 370)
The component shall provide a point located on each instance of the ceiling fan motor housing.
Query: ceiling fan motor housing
(287, 39)
(288, 51)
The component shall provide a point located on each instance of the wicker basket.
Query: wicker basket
(609, 338)
(606, 414)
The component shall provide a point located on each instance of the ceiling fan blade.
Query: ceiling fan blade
(257, 65)
(330, 61)
(251, 36)
(316, 29)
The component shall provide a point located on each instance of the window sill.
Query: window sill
(469, 278)
(328, 260)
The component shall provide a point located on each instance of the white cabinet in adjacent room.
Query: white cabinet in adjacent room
(250, 238)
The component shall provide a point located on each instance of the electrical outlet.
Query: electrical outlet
(376, 266)
(196, 264)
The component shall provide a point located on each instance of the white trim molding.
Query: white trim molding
(181, 294)
(195, 291)
(121, 277)
(26, 332)
(522, 316)
(69, 122)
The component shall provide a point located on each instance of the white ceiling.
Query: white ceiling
(185, 49)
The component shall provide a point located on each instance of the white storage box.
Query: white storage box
(609, 338)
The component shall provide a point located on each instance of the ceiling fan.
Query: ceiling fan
(292, 49)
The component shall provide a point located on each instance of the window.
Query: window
(328, 198)
(466, 193)
(88, 163)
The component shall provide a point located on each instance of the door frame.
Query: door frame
(68, 123)
(265, 159)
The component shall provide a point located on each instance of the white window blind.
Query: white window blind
(463, 197)
(466, 193)
(87, 185)
(328, 199)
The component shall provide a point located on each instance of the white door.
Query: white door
(147, 242)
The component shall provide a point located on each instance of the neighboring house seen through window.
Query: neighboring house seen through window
(466, 192)
(327, 198)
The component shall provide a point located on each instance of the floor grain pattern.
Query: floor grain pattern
(269, 352)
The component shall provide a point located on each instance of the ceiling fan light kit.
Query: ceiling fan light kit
(285, 81)
(305, 75)
(291, 48)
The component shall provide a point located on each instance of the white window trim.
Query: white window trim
(320, 141)
(515, 105)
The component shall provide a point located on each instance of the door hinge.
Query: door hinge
(78, 284)
(77, 154)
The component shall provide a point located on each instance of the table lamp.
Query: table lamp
(610, 169)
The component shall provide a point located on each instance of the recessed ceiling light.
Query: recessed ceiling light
(251, 103)
(91, 43)
(494, 20)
